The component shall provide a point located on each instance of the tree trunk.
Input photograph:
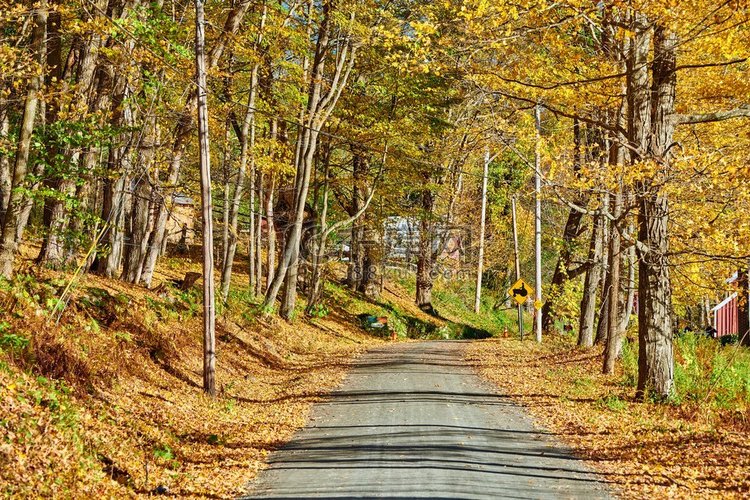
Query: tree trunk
(247, 143)
(656, 359)
(614, 339)
(136, 246)
(357, 245)
(424, 258)
(629, 291)
(571, 232)
(182, 132)
(483, 213)
(271, 234)
(225, 170)
(591, 285)
(116, 198)
(316, 278)
(5, 173)
(14, 224)
(602, 326)
(319, 108)
(209, 313)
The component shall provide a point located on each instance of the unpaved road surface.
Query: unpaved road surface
(413, 421)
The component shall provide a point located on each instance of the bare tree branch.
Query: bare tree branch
(740, 112)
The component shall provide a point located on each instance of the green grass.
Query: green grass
(455, 299)
(706, 373)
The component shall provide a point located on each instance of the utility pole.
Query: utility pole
(209, 312)
(518, 262)
(538, 225)
(480, 263)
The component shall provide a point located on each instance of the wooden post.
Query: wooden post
(480, 263)
(209, 313)
(518, 262)
(537, 225)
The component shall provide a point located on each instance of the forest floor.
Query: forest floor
(644, 449)
(105, 399)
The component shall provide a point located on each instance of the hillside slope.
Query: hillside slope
(105, 398)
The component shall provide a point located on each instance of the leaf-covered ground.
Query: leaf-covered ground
(107, 402)
(644, 450)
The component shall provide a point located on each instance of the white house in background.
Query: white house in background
(401, 240)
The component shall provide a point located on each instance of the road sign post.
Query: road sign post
(518, 263)
(520, 292)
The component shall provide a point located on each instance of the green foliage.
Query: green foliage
(10, 341)
(164, 452)
(612, 402)
(705, 373)
(629, 359)
(456, 299)
(319, 311)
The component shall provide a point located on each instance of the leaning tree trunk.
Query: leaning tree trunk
(571, 232)
(247, 143)
(14, 223)
(182, 132)
(591, 285)
(319, 107)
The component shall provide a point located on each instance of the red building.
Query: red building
(725, 316)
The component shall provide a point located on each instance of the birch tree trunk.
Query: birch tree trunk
(209, 313)
(5, 172)
(483, 213)
(182, 133)
(319, 107)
